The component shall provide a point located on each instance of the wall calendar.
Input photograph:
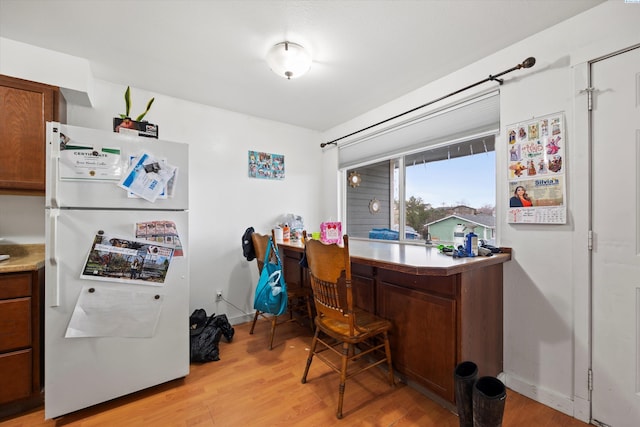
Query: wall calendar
(537, 165)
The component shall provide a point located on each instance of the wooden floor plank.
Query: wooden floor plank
(252, 386)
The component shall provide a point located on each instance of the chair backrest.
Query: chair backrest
(330, 273)
(260, 243)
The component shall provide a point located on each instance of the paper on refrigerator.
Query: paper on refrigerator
(116, 259)
(105, 312)
(147, 177)
(170, 186)
(162, 232)
(80, 161)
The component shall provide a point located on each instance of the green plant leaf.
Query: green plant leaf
(139, 118)
(127, 101)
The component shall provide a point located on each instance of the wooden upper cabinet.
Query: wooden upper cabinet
(25, 107)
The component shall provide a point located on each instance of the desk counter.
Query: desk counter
(444, 310)
(412, 259)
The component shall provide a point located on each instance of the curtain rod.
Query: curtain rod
(527, 63)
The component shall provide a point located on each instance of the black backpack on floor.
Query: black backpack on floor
(205, 333)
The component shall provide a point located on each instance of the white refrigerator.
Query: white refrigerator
(117, 266)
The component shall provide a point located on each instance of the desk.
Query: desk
(443, 310)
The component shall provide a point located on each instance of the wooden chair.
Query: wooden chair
(351, 333)
(298, 297)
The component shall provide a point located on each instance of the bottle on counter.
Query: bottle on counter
(286, 233)
(471, 242)
(278, 234)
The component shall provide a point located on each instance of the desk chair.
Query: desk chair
(351, 333)
(298, 297)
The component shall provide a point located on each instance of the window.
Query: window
(440, 187)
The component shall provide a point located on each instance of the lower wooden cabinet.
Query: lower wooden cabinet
(440, 321)
(363, 283)
(423, 337)
(294, 276)
(21, 341)
(17, 373)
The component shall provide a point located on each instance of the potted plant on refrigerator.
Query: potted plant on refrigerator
(125, 124)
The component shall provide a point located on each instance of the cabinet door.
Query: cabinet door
(25, 107)
(15, 324)
(362, 280)
(423, 336)
(292, 269)
(15, 375)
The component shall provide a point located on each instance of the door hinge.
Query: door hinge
(589, 91)
(590, 240)
(590, 379)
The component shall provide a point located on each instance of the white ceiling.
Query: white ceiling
(212, 52)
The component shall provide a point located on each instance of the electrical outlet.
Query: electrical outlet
(218, 295)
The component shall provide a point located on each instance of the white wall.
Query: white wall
(546, 285)
(71, 73)
(21, 219)
(224, 201)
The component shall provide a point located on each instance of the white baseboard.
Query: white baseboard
(582, 409)
(242, 318)
(549, 398)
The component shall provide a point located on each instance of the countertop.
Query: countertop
(412, 259)
(23, 257)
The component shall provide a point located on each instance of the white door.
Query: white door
(616, 252)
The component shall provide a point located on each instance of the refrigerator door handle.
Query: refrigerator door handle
(53, 130)
(53, 289)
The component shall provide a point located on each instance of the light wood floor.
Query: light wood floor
(252, 386)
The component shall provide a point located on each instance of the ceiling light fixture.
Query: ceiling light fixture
(289, 60)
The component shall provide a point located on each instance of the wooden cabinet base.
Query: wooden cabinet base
(440, 321)
(16, 369)
(16, 395)
(21, 349)
(21, 406)
(423, 336)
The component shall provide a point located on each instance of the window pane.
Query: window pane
(395, 217)
(369, 199)
(458, 188)
(440, 188)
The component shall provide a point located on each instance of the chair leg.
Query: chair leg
(290, 306)
(312, 350)
(346, 348)
(310, 313)
(253, 325)
(274, 319)
(387, 349)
